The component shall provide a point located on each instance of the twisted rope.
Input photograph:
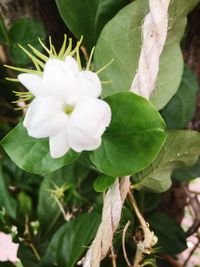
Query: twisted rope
(111, 215)
(154, 34)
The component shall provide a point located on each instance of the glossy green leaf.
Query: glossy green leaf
(171, 237)
(133, 139)
(6, 200)
(187, 173)
(31, 154)
(181, 149)
(87, 18)
(121, 40)
(24, 31)
(71, 241)
(103, 182)
(181, 108)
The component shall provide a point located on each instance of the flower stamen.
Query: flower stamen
(68, 109)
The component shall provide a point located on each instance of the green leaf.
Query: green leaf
(180, 149)
(27, 257)
(171, 237)
(151, 201)
(169, 76)
(47, 202)
(84, 160)
(102, 182)
(71, 241)
(121, 40)
(24, 31)
(31, 154)
(181, 108)
(87, 18)
(133, 139)
(187, 173)
(6, 200)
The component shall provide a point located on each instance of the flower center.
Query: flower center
(68, 109)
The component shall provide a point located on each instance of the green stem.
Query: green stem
(18, 264)
(35, 252)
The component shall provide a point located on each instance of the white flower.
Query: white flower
(8, 249)
(66, 107)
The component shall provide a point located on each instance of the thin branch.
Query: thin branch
(139, 256)
(191, 252)
(137, 211)
(113, 257)
(28, 242)
(193, 203)
(144, 244)
(194, 192)
(149, 238)
(123, 244)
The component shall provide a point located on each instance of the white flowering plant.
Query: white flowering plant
(81, 132)
(65, 109)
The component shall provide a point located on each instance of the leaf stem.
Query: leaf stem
(60, 207)
(35, 251)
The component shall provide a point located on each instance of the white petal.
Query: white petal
(59, 78)
(45, 117)
(91, 116)
(87, 123)
(79, 141)
(71, 63)
(59, 144)
(32, 82)
(88, 85)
